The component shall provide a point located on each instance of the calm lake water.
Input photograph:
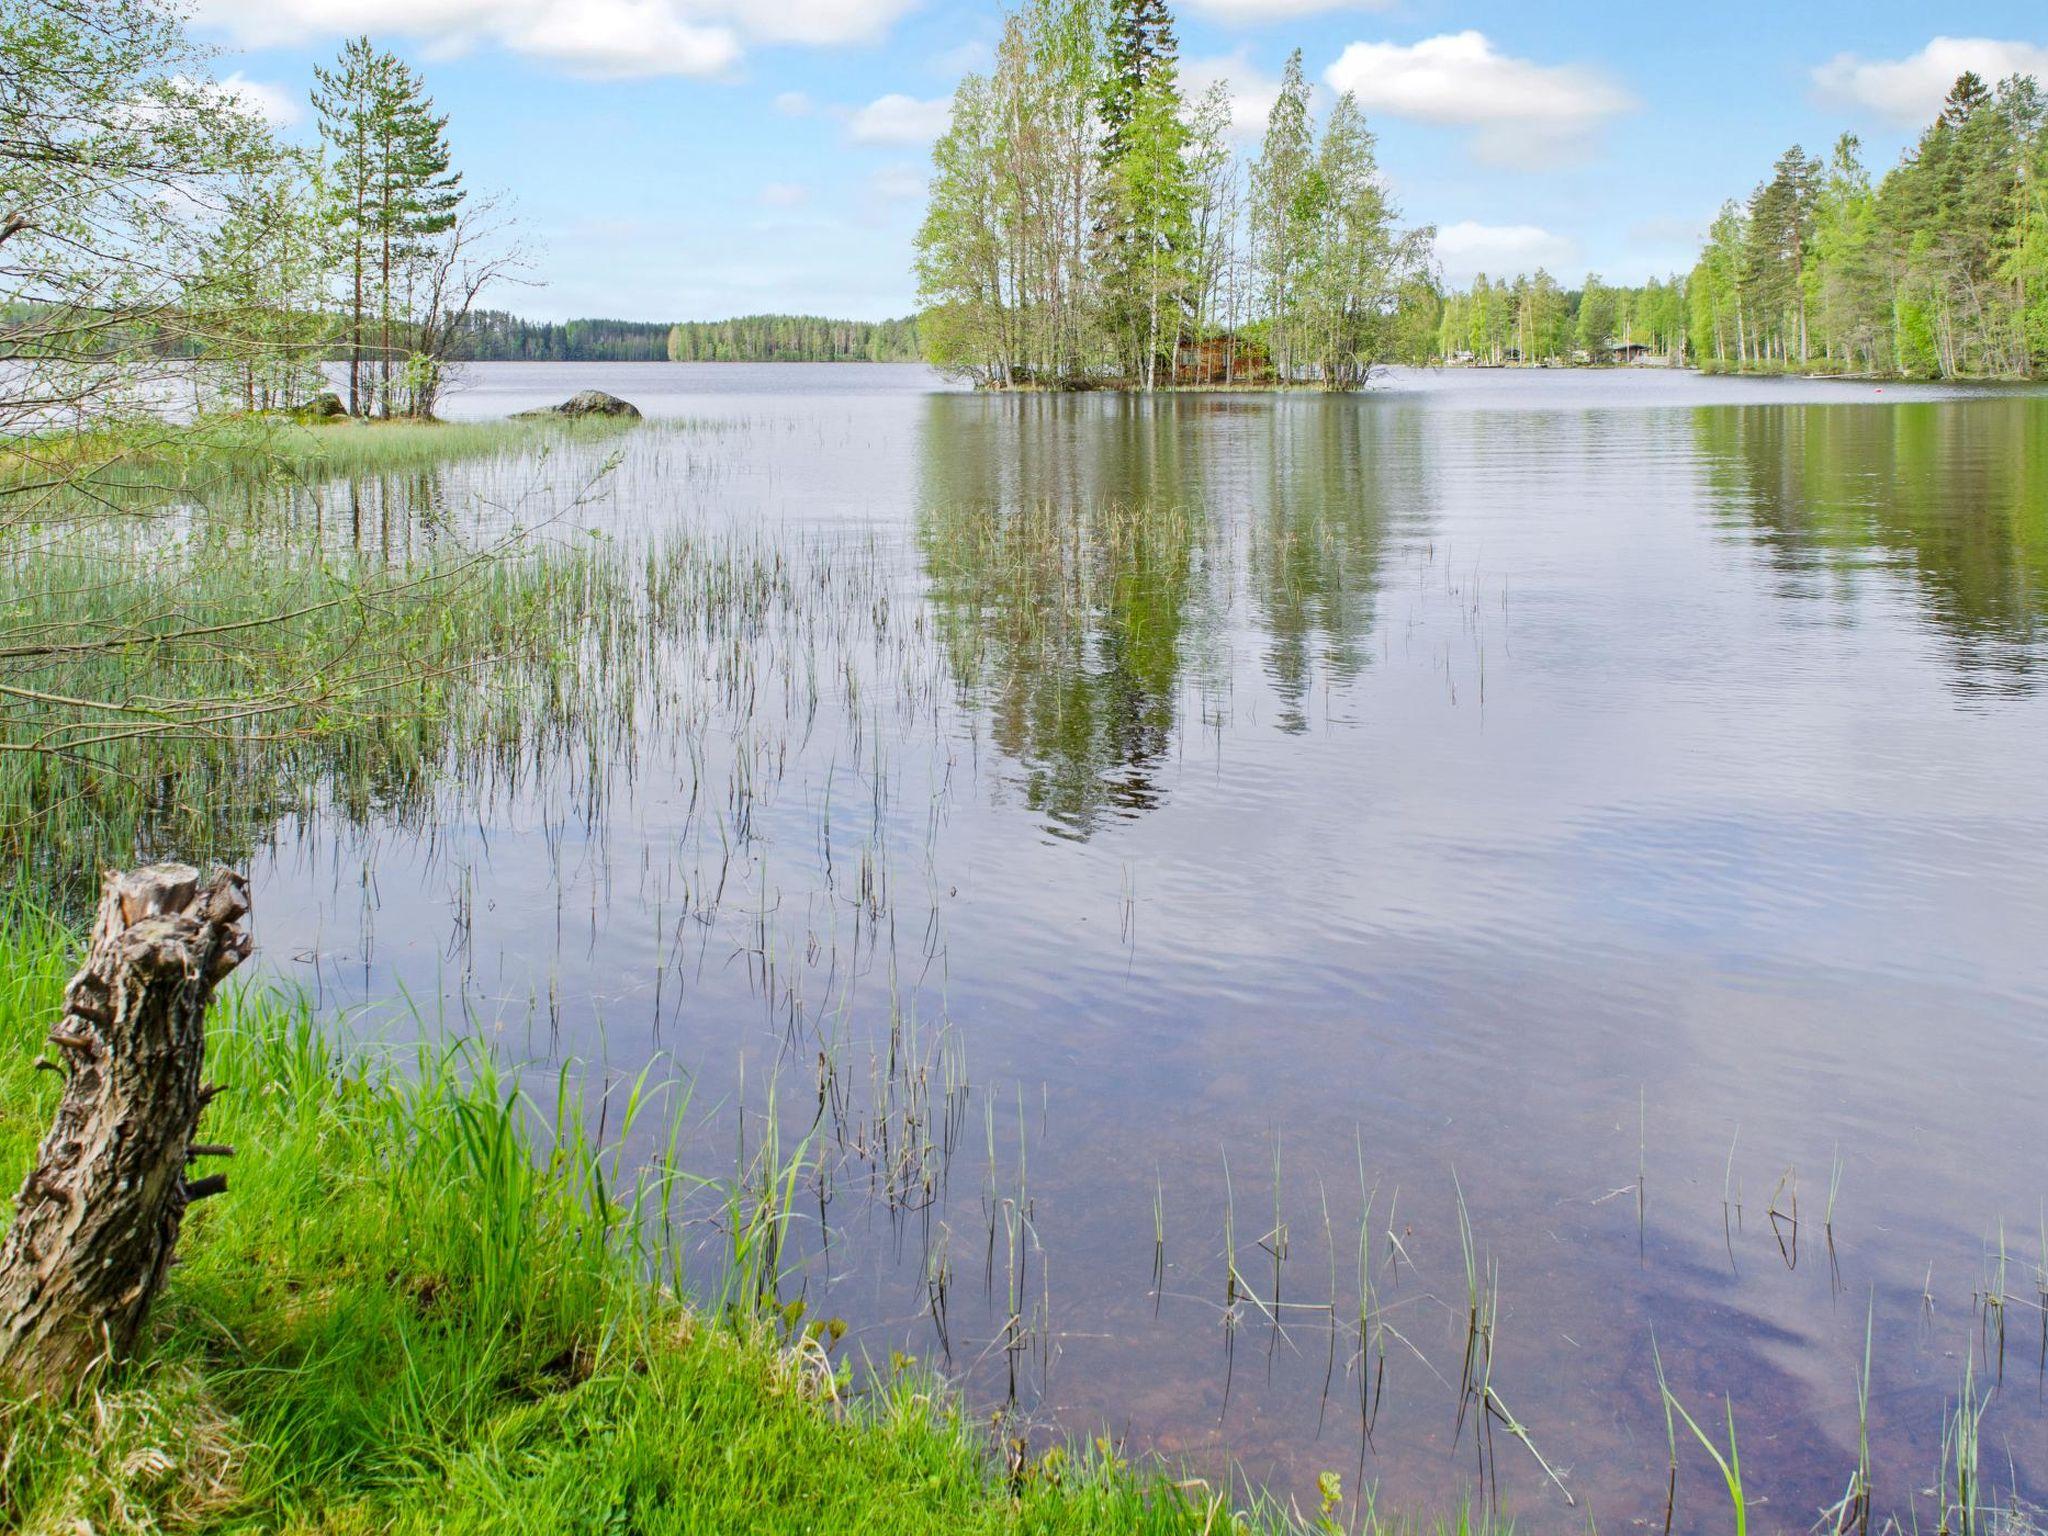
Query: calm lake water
(1617, 798)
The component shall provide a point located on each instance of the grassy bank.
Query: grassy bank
(415, 1311)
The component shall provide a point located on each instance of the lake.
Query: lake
(1157, 849)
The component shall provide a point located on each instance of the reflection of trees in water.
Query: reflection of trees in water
(1081, 557)
(1067, 560)
(1954, 492)
(1325, 496)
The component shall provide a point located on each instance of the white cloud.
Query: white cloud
(794, 104)
(259, 98)
(785, 194)
(1252, 91)
(899, 119)
(1524, 113)
(1466, 249)
(899, 183)
(623, 39)
(609, 38)
(1246, 13)
(1910, 90)
(811, 21)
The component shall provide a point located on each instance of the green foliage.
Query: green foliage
(1534, 320)
(1087, 226)
(1146, 234)
(1939, 270)
(495, 336)
(129, 183)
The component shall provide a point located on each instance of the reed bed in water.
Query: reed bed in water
(1972, 1488)
(184, 682)
(427, 1305)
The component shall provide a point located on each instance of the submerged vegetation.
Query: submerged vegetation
(431, 1303)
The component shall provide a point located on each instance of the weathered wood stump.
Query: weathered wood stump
(97, 1218)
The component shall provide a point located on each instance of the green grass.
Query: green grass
(417, 1310)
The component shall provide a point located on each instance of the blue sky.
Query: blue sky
(691, 159)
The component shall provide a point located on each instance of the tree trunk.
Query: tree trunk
(97, 1218)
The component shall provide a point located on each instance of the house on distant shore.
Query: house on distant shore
(1622, 352)
(1223, 360)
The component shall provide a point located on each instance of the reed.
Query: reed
(432, 1302)
(1729, 1466)
(1959, 1489)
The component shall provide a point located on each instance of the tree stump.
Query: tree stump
(97, 1218)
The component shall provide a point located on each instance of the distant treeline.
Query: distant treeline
(1535, 319)
(495, 336)
(793, 339)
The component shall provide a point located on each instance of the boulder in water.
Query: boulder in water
(589, 402)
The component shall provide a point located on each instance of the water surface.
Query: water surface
(1616, 797)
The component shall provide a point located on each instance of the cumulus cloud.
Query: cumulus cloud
(794, 104)
(1522, 112)
(259, 98)
(1246, 13)
(1910, 90)
(1466, 249)
(811, 21)
(899, 119)
(622, 39)
(608, 38)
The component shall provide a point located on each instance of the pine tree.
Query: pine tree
(392, 193)
(418, 196)
(344, 100)
(1146, 235)
(1964, 98)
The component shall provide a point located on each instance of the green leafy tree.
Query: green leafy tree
(1121, 244)
(1599, 319)
(392, 197)
(1287, 199)
(257, 304)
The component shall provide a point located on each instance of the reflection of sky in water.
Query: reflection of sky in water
(1433, 777)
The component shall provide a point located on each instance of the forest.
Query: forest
(1936, 269)
(1939, 268)
(793, 339)
(1089, 225)
(1533, 318)
(495, 336)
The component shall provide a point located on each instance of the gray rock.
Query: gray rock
(589, 402)
(322, 407)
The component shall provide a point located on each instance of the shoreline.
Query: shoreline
(411, 1313)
